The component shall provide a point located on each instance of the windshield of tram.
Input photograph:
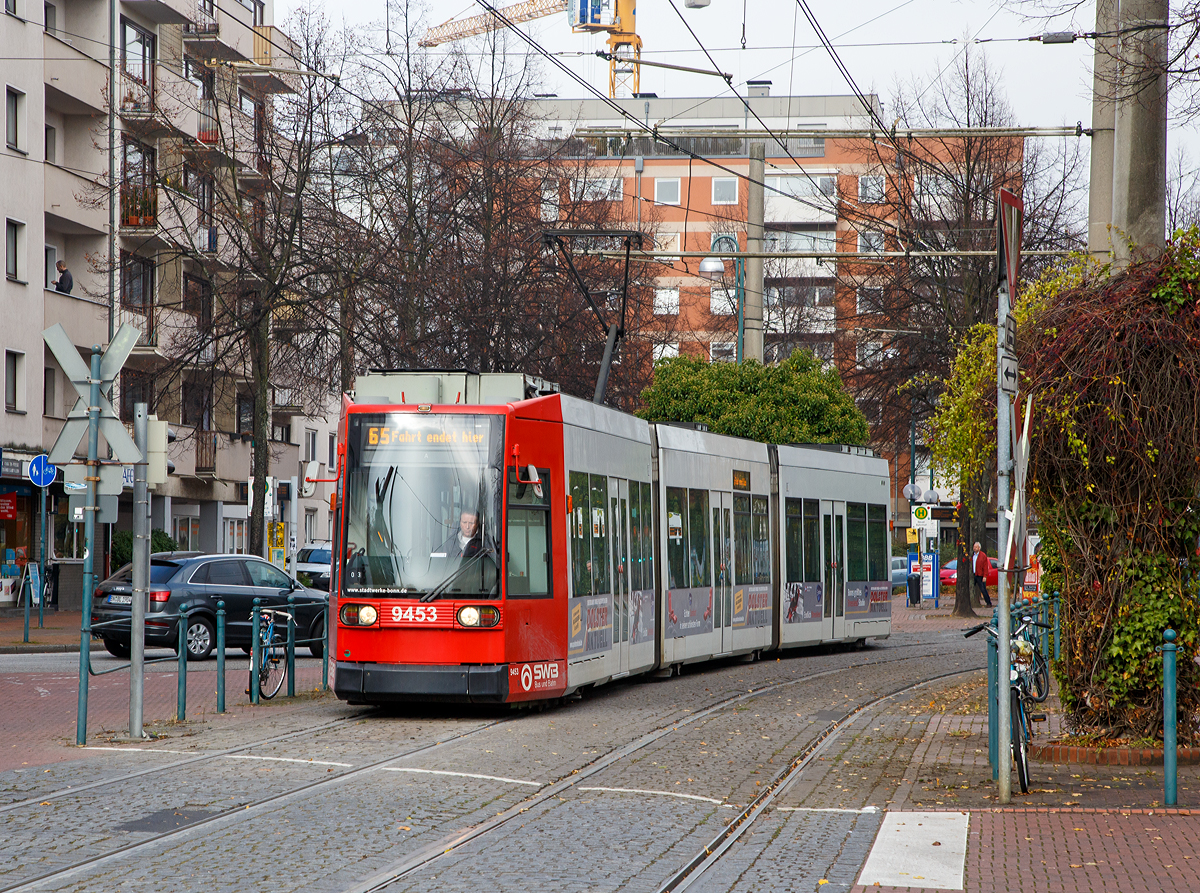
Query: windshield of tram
(423, 498)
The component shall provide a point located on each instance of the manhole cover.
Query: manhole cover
(166, 820)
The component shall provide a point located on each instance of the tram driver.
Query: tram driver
(465, 542)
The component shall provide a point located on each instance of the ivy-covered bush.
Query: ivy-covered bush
(1113, 363)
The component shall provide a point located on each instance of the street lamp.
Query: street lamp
(714, 268)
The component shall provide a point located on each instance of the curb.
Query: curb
(45, 649)
(1111, 756)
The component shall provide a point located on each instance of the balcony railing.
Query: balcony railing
(206, 239)
(143, 318)
(206, 451)
(206, 128)
(139, 205)
(137, 94)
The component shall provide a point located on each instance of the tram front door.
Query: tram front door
(833, 529)
(619, 498)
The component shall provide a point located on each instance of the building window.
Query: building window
(245, 414)
(137, 282)
(599, 189)
(10, 7)
(136, 387)
(332, 463)
(725, 190)
(869, 299)
(722, 301)
(668, 242)
(870, 240)
(550, 201)
(802, 186)
(137, 53)
(666, 190)
(310, 445)
(666, 301)
(14, 237)
(666, 351)
(14, 105)
(197, 299)
(49, 401)
(51, 144)
(139, 202)
(310, 525)
(51, 23)
(281, 433)
(197, 405)
(870, 189)
(51, 259)
(14, 381)
(235, 536)
(722, 352)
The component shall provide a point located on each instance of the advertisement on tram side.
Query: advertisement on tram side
(868, 598)
(751, 606)
(802, 603)
(641, 616)
(689, 612)
(591, 625)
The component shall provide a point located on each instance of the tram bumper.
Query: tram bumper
(380, 683)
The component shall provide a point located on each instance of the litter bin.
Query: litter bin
(914, 589)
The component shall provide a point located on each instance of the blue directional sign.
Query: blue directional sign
(41, 472)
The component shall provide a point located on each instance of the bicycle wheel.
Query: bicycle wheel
(1020, 741)
(1039, 678)
(273, 669)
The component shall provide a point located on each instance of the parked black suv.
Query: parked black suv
(193, 582)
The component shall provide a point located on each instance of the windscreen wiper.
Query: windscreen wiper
(441, 587)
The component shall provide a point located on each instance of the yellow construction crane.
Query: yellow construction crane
(617, 17)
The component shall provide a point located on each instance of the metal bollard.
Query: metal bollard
(1057, 613)
(1170, 770)
(255, 650)
(220, 656)
(993, 670)
(181, 697)
(291, 647)
(325, 651)
(28, 596)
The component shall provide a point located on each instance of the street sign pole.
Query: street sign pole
(89, 545)
(141, 574)
(42, 564)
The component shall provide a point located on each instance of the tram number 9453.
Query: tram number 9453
(411, 614)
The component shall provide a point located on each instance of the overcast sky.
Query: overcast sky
(881, 42)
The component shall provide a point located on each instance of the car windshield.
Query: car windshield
(313, 556)
(423, 504)
(160, 572)
(951, 565)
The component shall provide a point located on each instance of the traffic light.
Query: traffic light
(158, 466)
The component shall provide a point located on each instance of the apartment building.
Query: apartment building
(191, 97)
(822, 196)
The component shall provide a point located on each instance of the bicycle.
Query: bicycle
(272, 653)
(1029, 682)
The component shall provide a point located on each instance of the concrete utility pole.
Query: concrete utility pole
(1140, 145)
(1104, 115)
(754, 265)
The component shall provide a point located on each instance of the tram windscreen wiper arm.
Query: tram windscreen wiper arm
(444, 585)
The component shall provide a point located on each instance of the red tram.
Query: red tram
(501, 542)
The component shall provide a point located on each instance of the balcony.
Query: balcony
(206, 453)
(220, 32)
(143, 318)
(74, 204)
(164, 12)
(273, 49)
(75, 82)
(139, 206)
(139, 105)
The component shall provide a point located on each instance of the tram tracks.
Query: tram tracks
(434, 852)
(444, 847)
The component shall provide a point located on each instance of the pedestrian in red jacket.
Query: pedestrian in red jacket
(979, 566)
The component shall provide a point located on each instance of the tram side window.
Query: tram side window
(793, 537)
(599, 534)
(856, 541)
(742, 573)
(812, 541)
(635, 536)
(581, 534)
(649, 546)
(528, 537)
(698, 558)
(761, 531)
(677, 538)
(877, 543)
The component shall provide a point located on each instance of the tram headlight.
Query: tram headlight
(358, 615)
(478, 616)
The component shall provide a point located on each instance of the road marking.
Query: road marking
(657, 793)
(918, 849)
(288, 760)
(536, 784)
(866, 810)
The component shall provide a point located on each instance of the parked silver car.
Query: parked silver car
(899, 571)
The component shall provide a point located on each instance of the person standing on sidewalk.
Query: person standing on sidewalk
(979, 567)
